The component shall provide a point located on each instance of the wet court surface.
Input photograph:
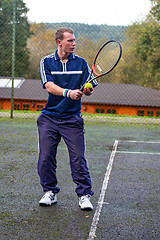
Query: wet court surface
(124, 163)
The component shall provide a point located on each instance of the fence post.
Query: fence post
(13, 54)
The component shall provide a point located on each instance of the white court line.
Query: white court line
(152, 153)
(132, 141)
(102, 194)
(137, 141)
(105, 183)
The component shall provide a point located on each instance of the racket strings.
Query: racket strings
(107, 58)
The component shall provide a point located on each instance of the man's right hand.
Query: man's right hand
(75, 94)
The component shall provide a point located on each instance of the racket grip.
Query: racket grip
(81, 89)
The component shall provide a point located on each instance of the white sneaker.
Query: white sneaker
(48, 199)
(85, 204)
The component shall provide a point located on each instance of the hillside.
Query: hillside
(93, 32)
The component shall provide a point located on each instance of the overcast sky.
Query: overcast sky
(111, 12)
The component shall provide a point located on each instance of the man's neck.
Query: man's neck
(63, 56)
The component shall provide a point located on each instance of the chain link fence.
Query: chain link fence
(130, 93)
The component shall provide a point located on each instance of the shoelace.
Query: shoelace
(48, 194)
(84, 197)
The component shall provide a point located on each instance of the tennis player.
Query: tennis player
(62, 75)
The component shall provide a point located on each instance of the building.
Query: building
(123, 99)
(108, 98)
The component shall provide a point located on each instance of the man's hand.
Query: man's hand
(88, 91)
(75, 94)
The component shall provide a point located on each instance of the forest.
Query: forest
(92, 32)
(140, 62)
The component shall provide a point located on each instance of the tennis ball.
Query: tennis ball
(88, 85)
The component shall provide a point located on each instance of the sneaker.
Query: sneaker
(48, 199)
(85, 204)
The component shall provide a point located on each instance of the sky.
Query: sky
(111, 12)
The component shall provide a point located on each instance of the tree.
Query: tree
(155, 11)
(141, 58)
(148, 45)
(40, 44)
(22, 34)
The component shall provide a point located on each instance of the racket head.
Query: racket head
(107, 58)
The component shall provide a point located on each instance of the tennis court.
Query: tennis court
(124, 163)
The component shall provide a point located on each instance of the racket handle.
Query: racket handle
(81, 89)
(87, 81)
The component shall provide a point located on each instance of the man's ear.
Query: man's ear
(58, 41)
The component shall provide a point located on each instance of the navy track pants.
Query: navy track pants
(50, 131)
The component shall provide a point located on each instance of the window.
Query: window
(39, 107)
(111, 111)
(158, 114)
(140, 112)
(25, 106)
(99, 110)
(16, 106)
(149, 113)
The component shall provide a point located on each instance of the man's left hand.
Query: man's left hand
(88, 91)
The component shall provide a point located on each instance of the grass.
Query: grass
(85, 114)
(90, 116)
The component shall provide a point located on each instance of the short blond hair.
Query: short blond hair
(60, 32)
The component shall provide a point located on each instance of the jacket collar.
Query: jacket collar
(71, 56)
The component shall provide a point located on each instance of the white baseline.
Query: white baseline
(102, 194)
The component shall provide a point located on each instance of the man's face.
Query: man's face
(68, 43)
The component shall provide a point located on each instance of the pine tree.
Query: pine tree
(22, 34)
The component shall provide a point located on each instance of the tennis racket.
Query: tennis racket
(105, 60)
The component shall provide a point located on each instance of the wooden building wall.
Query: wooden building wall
(37, 105)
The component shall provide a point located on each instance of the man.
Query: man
(62, 74)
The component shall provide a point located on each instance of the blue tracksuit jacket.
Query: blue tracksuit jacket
(71, 75)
